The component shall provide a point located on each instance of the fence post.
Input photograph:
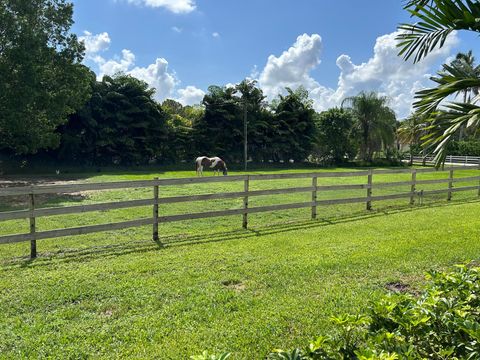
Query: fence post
(369, 189)
(478, 180)
(314, 198)
(33, 242)
(245, 201)
(155, 211)
(412, 187)
(450, 185)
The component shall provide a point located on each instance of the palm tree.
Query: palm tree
(437, 20)
(374, 122)
(466, 61)
(410, 132)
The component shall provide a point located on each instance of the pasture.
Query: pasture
(209, 284)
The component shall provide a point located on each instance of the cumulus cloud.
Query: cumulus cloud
(175, 6)
(113, 66)
(190, 95)
(95, 43)
(177, 29)
(385, 72)
(293, 67)
(157, 75)
(216, 34)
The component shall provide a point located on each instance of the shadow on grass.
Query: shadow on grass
(148, 245)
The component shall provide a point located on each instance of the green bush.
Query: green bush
(443, 322)
(464, 148)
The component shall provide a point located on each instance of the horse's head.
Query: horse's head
(224, 169)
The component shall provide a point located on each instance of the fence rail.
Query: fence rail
(450, 159)
(32, 213)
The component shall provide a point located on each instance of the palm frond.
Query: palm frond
(437, 20)
(445, 123)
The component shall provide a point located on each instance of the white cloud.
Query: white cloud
(385, 72)
(216, 34)
(95, 43)
(190, 95)
(157, 75)
(114, 66)
(175, 6)
(293, 67)
(177, 29)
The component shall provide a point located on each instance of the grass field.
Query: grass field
(212, 285)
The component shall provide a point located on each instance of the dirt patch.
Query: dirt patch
(399, 287)
(235, 285)
(22, 201)
(107, 313)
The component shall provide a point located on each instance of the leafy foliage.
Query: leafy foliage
(294, 126)
(374, 122)
(220, 131)
(464, 148)
(42, 80)
(180, 120)
(334, 142)
(437, 19)
(121, 123)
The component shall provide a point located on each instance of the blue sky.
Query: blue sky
(334, 48)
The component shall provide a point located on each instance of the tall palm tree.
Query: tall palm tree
(374, 122)
(437, 20)
(410, 132)
(466, 61)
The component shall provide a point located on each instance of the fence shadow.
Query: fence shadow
(147, 245)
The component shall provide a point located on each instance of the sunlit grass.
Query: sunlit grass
(210, 284)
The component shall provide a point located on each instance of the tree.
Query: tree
(410, 132)
(374, 122)
(220, 131)
(294, 126)
(180, 120)
(466, 62)
(259, 120)
(120, 124)
(334, 143)
(42, 80)
(437, 20)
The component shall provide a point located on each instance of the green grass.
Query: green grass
(212, 285)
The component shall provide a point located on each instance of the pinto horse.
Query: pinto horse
(214, 163)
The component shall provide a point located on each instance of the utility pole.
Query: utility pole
(245, 139)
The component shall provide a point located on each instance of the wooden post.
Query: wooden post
(33, 242)
(245, 202)
(479, 180)
(155, 211)
(412, 187)
(369, 189)
(450, 186)
(314, 198)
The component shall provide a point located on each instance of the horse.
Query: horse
(214, 163)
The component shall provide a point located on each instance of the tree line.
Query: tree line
(51, 103)
(122, 123)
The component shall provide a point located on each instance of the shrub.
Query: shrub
(464, 148)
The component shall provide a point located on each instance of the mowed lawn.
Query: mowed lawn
(211, 285)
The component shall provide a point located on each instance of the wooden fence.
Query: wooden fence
(33, 212)
(450, 159)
